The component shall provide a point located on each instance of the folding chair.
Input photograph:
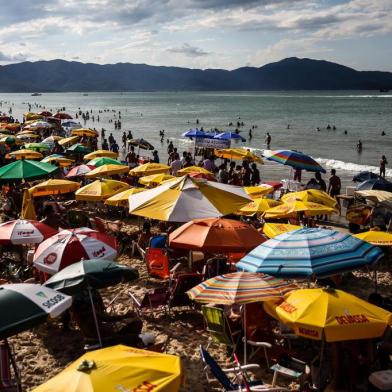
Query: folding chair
(239, 382)
(219, 328)
(9, 374)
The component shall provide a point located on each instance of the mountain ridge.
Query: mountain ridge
(288, 74)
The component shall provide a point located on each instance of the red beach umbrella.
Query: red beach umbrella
(63, 116)
(70, 246)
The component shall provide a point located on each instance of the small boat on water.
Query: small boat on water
(36, 94)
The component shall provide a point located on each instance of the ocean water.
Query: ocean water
(364, 115)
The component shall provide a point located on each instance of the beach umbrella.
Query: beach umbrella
(25, 305)
(84, 132)
(100, 153)
(375, 184)
(271, 230)
(141, 143)
(148, 169)
(229, 136)
(204, 176)
(155, 179)
(37, 146)
(45, 113)
(238, 154)
(216, 235)
(24, 154)
(26, 170)
(63, 116)
(308, 253)
(53, 187)
(382, 197)
(68, 141)
(294, 159)
(259, 190)
(293, 207)
(376, 237)
(258, 206)
(32, 116)
(119, 368)
(311, 195)
(21, 231)
(26, 136)
(183, 199)
(196, 133)
(50, 141)
(100, 190)
(70, 246)
(330, 315)
(193, 169)
(80, 170)
(39, 124)
(103, 161)
(77, 148)
(121, 199)
(59, 159)
(107, 170)
(365, 175)
(8, 140)
(26, 131)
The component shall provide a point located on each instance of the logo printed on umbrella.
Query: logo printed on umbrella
(41, 294)
(25, 233)
(50, 258)
(145, 386)
(100, 252)
(287, 307)
(308, 332)
(352, 319)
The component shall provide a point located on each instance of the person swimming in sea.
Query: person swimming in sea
(359, 146)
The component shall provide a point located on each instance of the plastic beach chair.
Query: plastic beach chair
(239, 380)
(9, 373)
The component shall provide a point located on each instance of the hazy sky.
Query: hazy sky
(198, 33)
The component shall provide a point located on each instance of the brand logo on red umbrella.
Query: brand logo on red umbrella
(25, 233)
(50, 258)
(100, 252)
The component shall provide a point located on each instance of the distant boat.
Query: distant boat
(85, 95)
(384, 90)
(36, 94)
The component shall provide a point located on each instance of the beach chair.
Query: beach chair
(239, 380)
(9, 374)
(216, 266)
(219, 327)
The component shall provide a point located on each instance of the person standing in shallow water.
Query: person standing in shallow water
(383, 163)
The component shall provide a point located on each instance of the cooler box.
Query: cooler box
(382, 380)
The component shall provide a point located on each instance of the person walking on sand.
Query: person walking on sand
(334, 185)
(383, 163)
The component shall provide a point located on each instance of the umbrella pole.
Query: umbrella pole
(321, 363)
(95, 317)
(375, 279)
(245, 353)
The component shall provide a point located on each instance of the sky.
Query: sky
(198, 33)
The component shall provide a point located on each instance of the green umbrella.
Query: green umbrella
(78, 149)
(8, 139)
(103, 161)
(37, 147)
(25, 169)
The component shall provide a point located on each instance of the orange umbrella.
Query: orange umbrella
(216, 235)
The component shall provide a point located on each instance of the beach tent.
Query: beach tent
(119, 368)
(183, 199)
(307, 253)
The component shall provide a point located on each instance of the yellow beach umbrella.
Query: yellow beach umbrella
(118, 368)
(291, 208)
(259, 190)
(32, 116)
(84, 132)
(99, 154)
(238, 154)
(376, 237)
(185, 198)
(26, 132)
(107, 170)
(193, 169)
(312, 195)
(155, 179)
(100, 190)
(121, 199)
(53, 187)
(69, 140)
(24, 154)
(271, 230)
(258, 206)
(28, 135)
(148, 169)
(333, 315)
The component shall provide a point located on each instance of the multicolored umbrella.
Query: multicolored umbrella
(107, 170)
(216, 235)
(103, 161)
(100, 153)
(119, 368)
(69, 246)
(295, 159)
(148, 169)
(21, 231)
(330, 315)
(51, 140)
(63, 116)
(185, 198)
(24, 305)
(80, 170)
(100, 190)
(77, 148)
(310, 253)
(26, 170)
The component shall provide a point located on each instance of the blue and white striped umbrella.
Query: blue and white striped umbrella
(310, 252)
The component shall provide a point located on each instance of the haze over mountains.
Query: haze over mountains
(288, 74)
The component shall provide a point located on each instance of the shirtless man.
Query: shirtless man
(334, 185)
